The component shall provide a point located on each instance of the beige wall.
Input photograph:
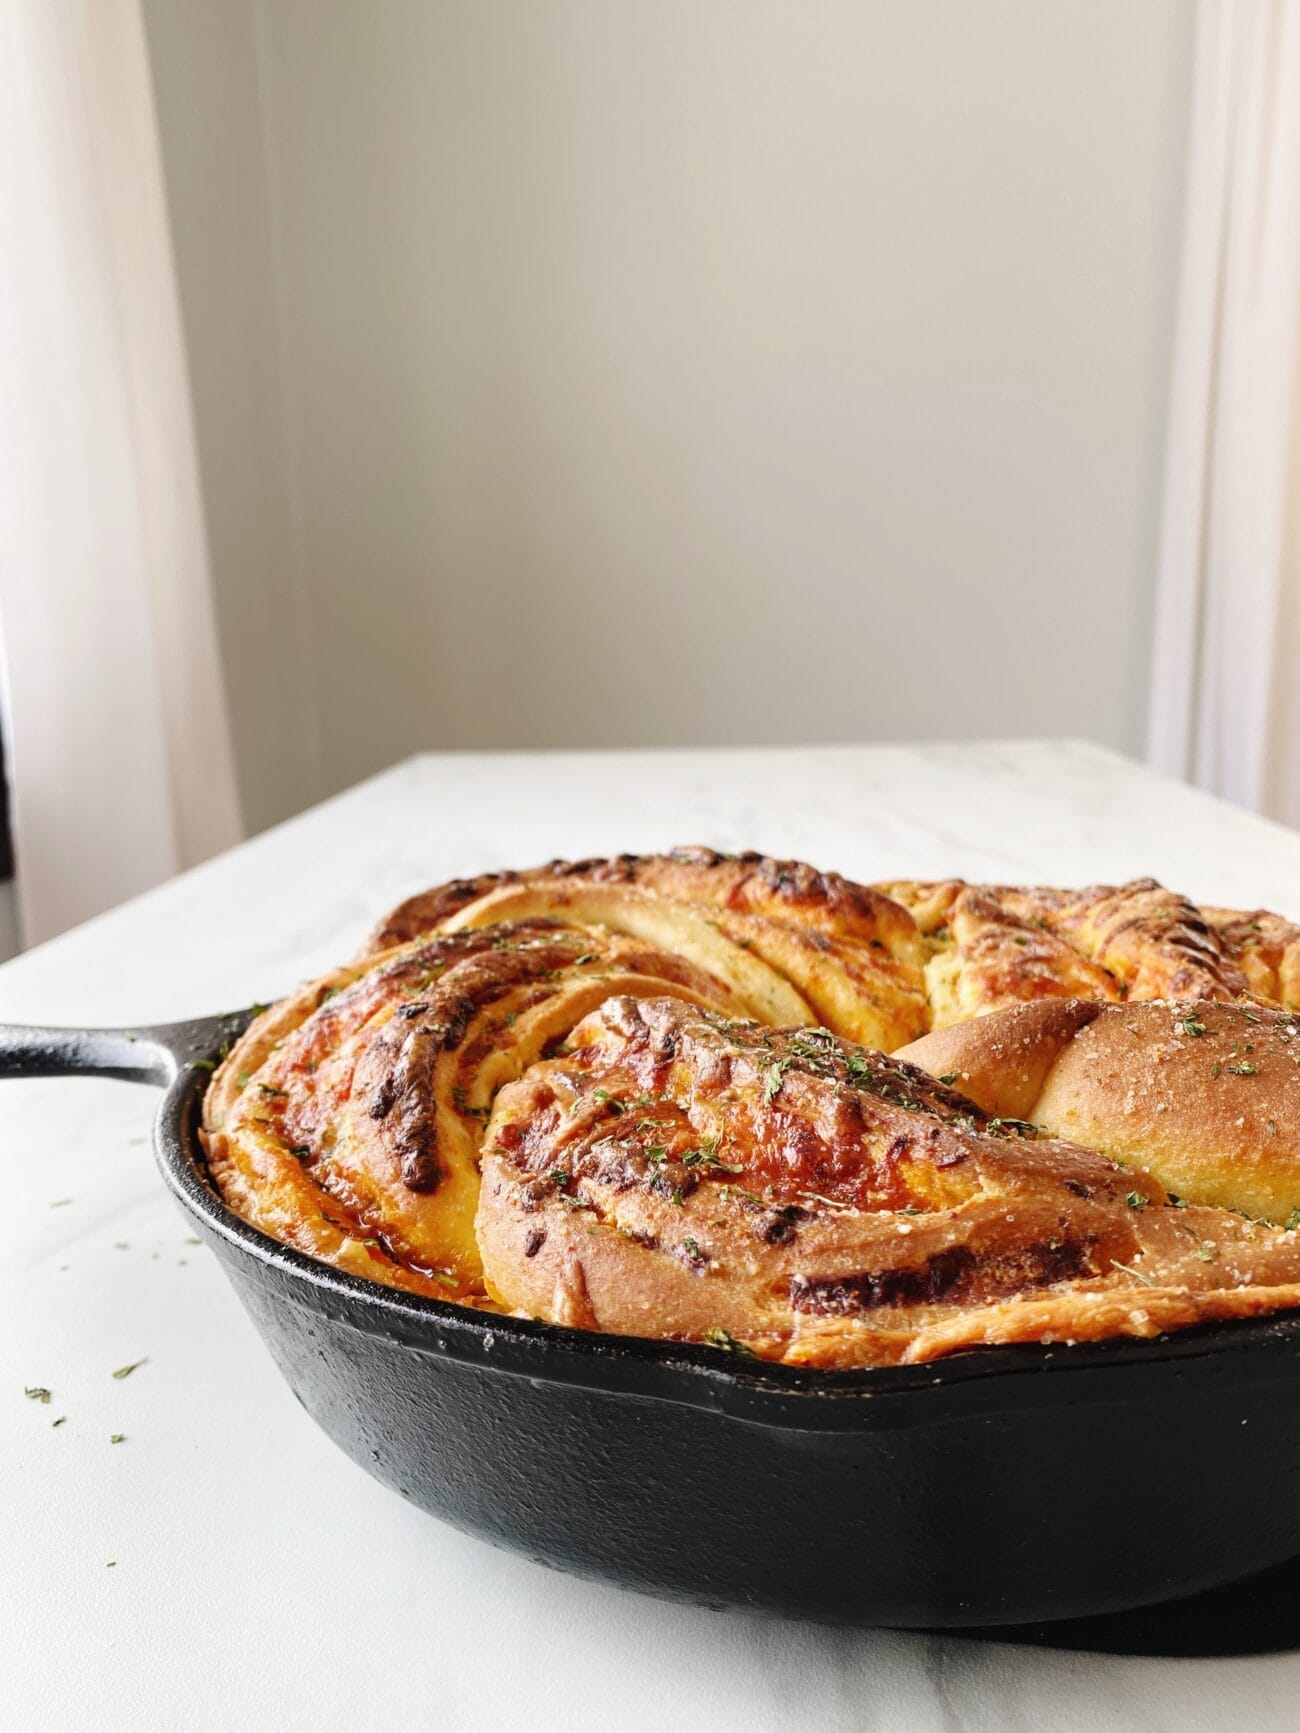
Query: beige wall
(623, 371)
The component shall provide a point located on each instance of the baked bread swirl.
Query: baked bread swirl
(678, 1173)
(860, 1212)
(852, 958)
(346, 1120)
(996, 945)
(907, 955)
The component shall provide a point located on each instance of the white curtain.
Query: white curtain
(1225, 709)
(117, 736)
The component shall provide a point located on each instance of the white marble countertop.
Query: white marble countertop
(258, 1578)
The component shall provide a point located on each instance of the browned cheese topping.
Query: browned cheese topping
(651, 1095)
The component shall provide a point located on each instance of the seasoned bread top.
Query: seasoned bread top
(1202, 1094)
(990, 946)
(651, 1093)
(675, 1172)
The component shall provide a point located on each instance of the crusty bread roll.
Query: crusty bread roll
(1204, 1095)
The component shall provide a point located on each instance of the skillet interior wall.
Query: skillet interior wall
(631, 352)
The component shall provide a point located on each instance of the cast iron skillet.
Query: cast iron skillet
(992, 1488)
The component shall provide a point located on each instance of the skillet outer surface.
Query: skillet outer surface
(995, 1488)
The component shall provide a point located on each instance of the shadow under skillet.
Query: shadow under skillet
(1260, 1615)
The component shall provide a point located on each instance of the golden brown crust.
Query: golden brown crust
(1265, 947)
(346, 1121)
(883, 963)
(1203, 1095)
(997, 945)
(999, 953)
(1001, 1062)
(680, 1174)
(837, 952)
(748, 883)
(721, 1151)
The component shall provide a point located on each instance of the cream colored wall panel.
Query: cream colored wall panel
(657, 371)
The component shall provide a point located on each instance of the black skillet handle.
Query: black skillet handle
(155, 1055)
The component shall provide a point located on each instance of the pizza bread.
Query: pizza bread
(538, 1091)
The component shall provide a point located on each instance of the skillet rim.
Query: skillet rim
(989, 1380)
